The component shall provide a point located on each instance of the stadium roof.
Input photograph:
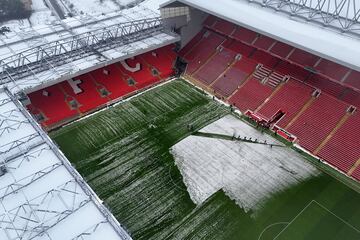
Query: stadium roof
(44, 55)
(313, 26)
(41, 195)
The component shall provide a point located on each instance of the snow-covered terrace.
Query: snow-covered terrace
(41, 194)
(44, 55)
(306, 34)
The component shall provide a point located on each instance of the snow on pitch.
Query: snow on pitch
(248, 173)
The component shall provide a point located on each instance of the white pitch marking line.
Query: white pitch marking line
(347, 223)
(294, 218)
(271, 225)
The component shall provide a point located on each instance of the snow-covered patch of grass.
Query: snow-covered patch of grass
(248, 173)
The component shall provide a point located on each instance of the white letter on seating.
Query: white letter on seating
(131, 69)
(75, 85)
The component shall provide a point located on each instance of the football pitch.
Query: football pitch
(124, 154)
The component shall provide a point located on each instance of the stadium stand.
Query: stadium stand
(199, 54)
(303, 58)
(331, 69)
(40, 104)
(239, 47)
(113, 81)
(351, 96)
(353, 79)
(281, 50)
(91, 91)
(89, 98)
(264, 58)
(325, 85)
(311, 128)
(234, 77)
(312, 104)
(212, 69)
(342, 151)
(245, 35)
(250, 95)
(162, 59)
(292, 70)
(224, 27)
(290, 99)
(264, 42)
(325, 68)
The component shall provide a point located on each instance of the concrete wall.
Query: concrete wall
(187, 30)
(194, 26)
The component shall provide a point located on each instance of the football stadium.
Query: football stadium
(223, 120)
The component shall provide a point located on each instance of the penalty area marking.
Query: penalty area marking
(271, 225)
(173, 182)
(294, 219)
(347, 223)
(324, 208)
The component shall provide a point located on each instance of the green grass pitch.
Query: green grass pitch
(123, 153)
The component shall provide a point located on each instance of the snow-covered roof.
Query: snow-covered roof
(44, 55)
(322, 41)
(19, 40)
(41, 194)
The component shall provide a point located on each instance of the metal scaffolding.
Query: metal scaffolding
(38, 186)
(57, 53)
(341, 15)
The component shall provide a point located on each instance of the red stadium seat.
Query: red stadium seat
(303, 58)
(353, 79)
(217, 65)
(97, 88)
(316, 123)
(239, 47)
(292, 70)
(199, 55)
(342, 151)
(233, 78)
(53, 106)
(331, 69)
(250, 95)
(224, 27)
(281, 49)
(265, 58)
(264, 42)
(289, 99)
(326, 85)
(89, 98)
(352, 97)
(244, 35)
